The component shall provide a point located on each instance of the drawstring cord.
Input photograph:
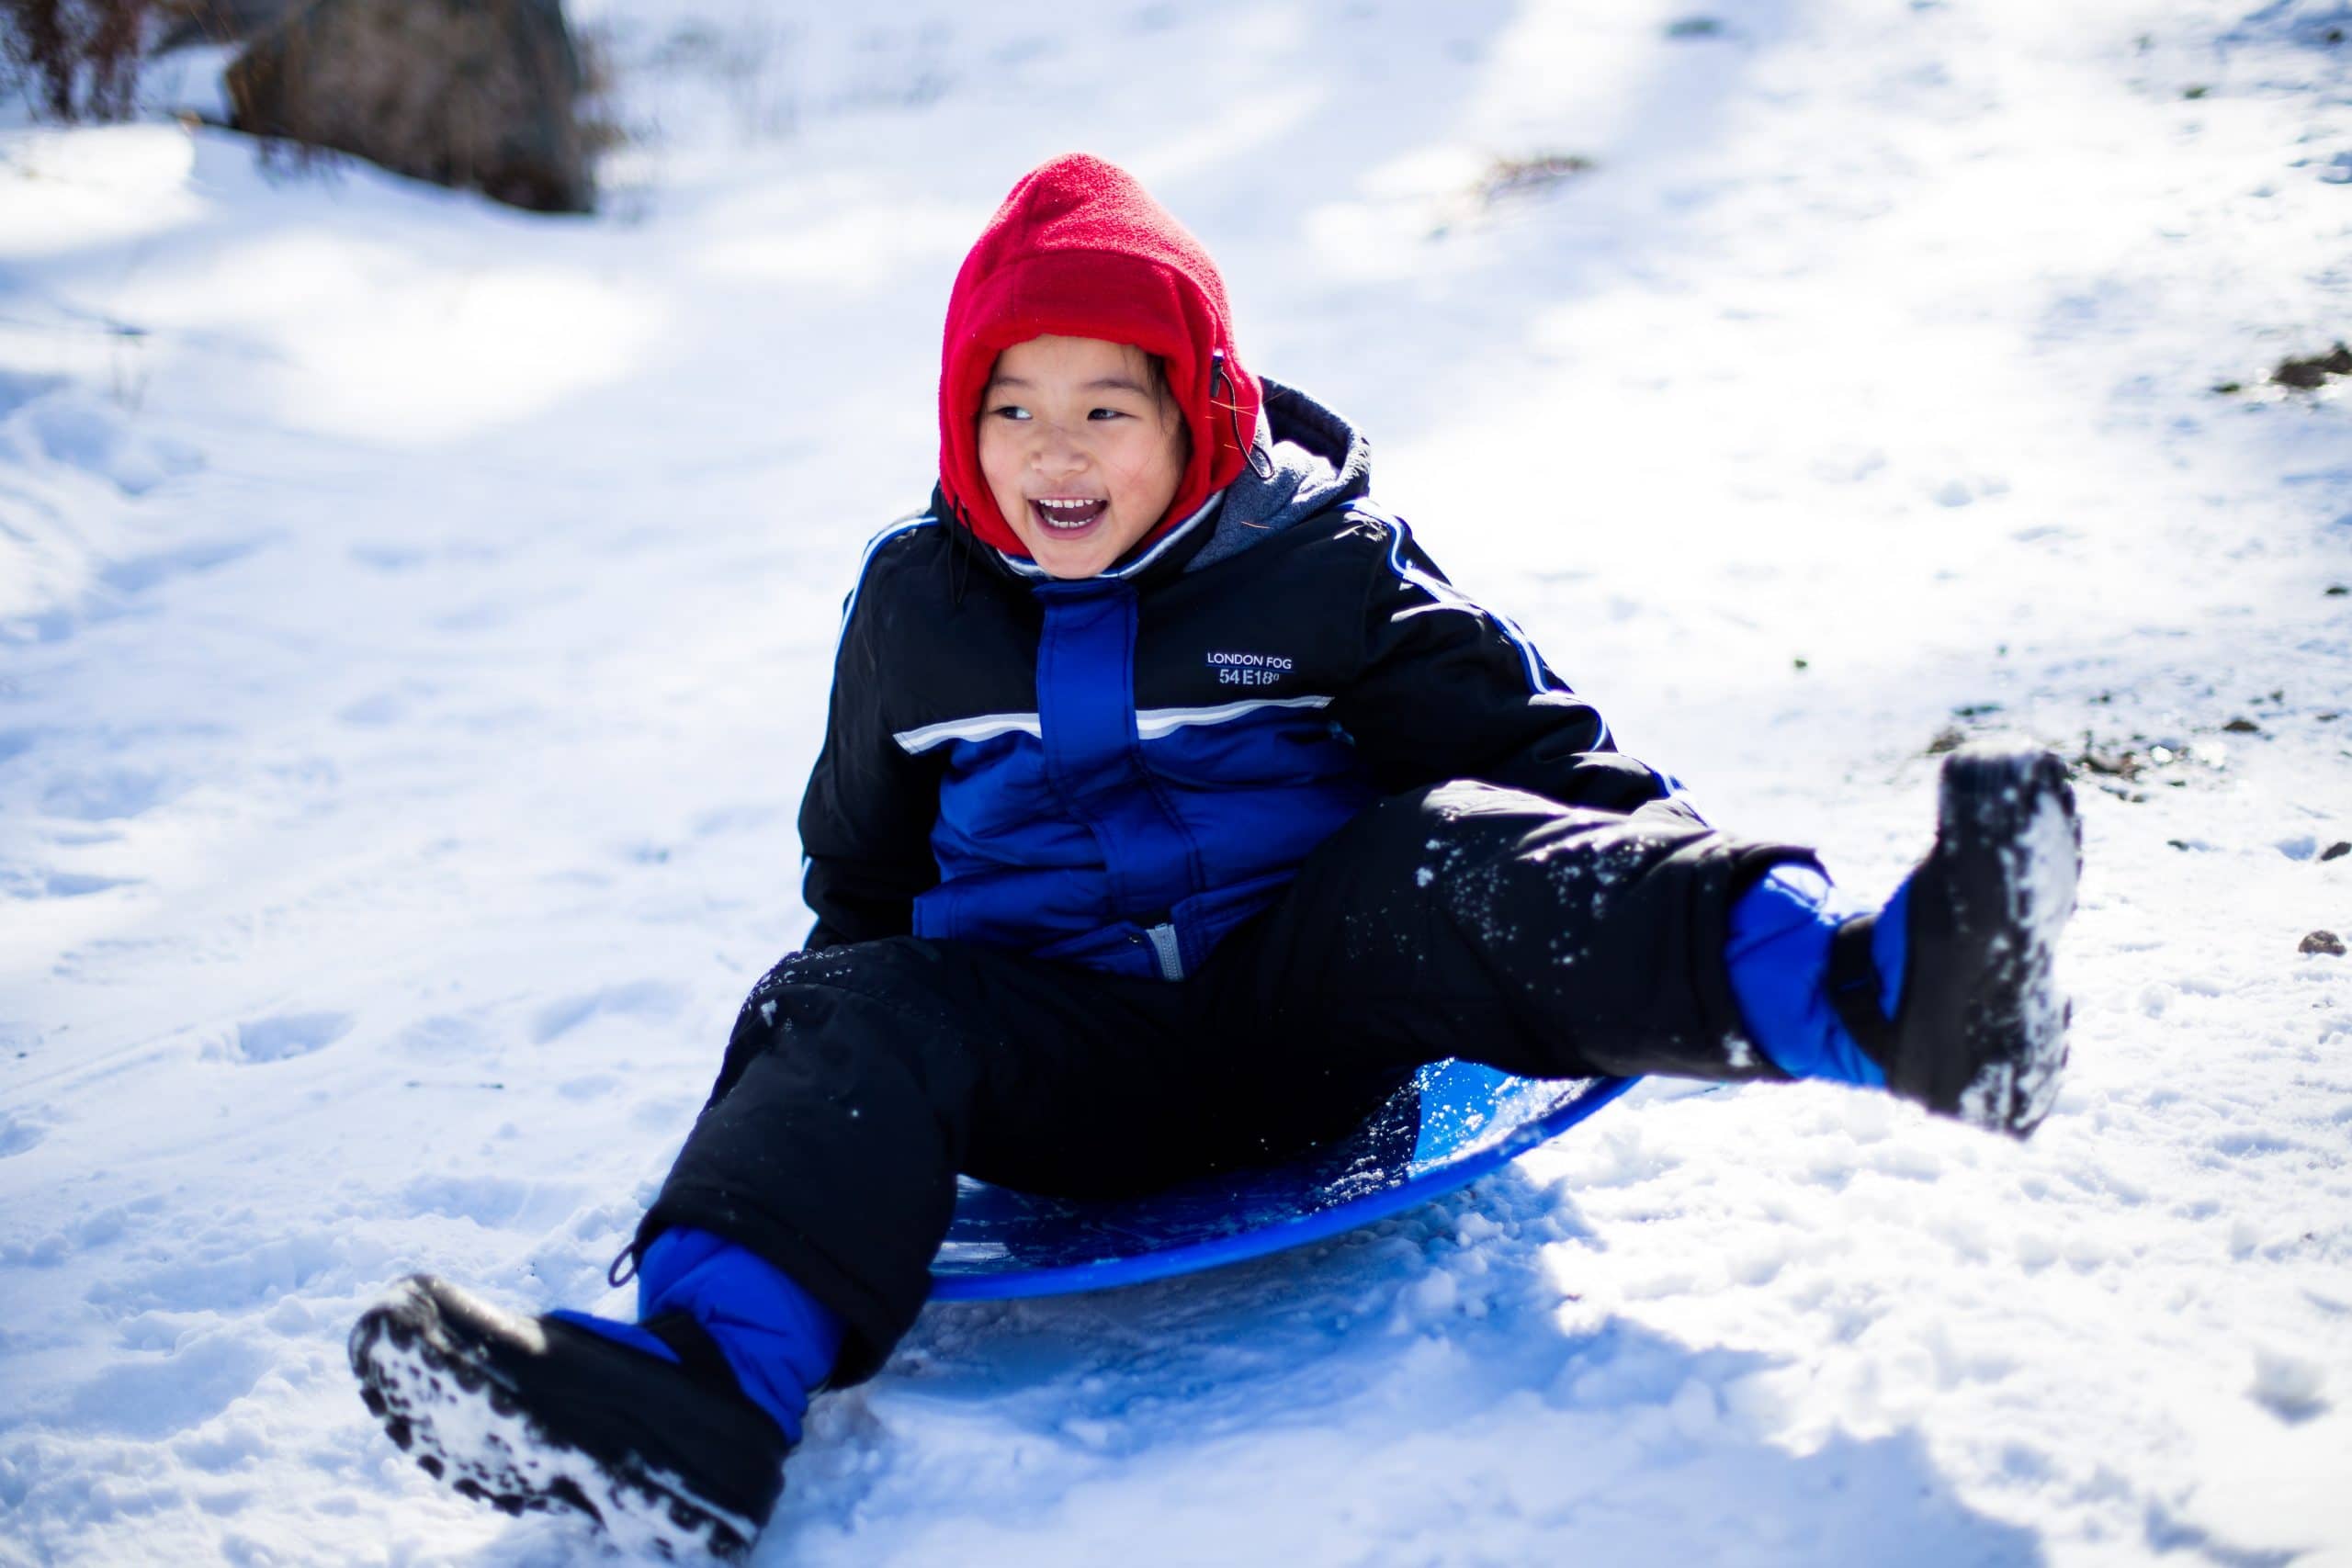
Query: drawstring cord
(616, 1275)
(963, 541)
(1260, 463)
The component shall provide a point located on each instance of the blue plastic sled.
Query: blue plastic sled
(1454, 1123)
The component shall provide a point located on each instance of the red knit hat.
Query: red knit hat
(1080, 250)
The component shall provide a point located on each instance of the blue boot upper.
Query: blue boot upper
(778, 1340)
(1778, 958)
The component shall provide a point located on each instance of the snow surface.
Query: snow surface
(415, 619)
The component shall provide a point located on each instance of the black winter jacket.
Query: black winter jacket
(1118, 771)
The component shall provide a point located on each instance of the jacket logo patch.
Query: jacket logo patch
(1249, 669)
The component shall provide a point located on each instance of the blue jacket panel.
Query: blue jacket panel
(1125, 839)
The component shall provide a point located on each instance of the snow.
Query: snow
(413, 626)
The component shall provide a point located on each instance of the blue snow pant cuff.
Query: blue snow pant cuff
(779, 1340)
(1779, 961)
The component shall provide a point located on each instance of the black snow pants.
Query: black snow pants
(1457, 920)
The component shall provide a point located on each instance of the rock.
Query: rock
(2313, 371)
(2242, 726)
(2327, 943)
(188, 22)
(2094, 758)
(2336, 851)
(477, 94)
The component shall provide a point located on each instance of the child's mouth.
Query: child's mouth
(1066, 516)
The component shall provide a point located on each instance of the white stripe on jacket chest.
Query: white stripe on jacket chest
(1150, 723)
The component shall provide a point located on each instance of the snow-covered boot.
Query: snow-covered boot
(667, 1454)
(1979, 1031)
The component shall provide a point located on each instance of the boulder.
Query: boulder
(192, 22)
(475, 94)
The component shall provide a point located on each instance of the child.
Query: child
(1172, 809)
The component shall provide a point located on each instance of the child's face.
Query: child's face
(1080, 451)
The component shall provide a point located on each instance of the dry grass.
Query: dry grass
(1507, 179)
(81, 55)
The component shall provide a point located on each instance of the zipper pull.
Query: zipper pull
(1166, 948)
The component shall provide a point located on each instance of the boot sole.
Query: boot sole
(2019, 805)
(464, 1428)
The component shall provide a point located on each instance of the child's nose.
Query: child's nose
(1056, 451)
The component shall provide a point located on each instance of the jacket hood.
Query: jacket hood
(1313, 459)
(1080, 250)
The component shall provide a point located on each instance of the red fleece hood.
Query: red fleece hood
(1080, 250)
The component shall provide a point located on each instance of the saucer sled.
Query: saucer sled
(1453, 1123)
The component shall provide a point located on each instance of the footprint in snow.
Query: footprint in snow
(388, 559)
(104, 794)
(16, 1134)
(494, 1203)
(140, 574)
(153, 1395)
(377, 708)
(637, 998)
(79, 430)
(286, 1035)
(74, 884)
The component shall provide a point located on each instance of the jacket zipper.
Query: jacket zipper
(1163, 942)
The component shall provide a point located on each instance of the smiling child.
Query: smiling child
(1172, 809)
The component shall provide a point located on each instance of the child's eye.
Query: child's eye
(1107, 414)
(1010, 411)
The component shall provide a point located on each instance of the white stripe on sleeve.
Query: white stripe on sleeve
(981, 726)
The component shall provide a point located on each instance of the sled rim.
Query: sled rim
(1192, 1258)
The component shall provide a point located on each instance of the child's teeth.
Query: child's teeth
(1069, 513)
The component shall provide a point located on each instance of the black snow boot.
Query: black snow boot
(1979, 1031)
(539, 1413)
